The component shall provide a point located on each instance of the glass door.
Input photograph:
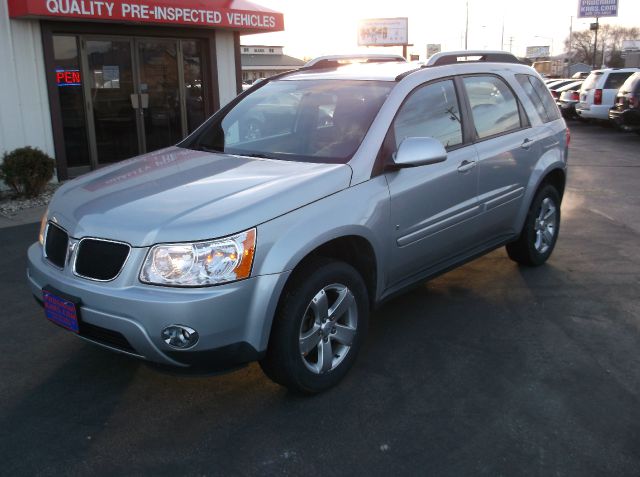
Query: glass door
(123, 96)
(111, 90)
(160, 94)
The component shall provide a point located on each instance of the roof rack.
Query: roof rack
(465, 56)
(332, 61)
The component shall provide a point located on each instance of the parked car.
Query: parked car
(227, 249)
(558, 83)
(580, 75)
(626, 111)
(567, 103)
(556, 91)
(598, 92)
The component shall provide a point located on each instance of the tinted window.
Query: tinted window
(615, 80)
(298, 120)
(539, 95)
(430, 111)
(493, 105)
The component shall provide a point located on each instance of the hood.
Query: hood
(178, 195)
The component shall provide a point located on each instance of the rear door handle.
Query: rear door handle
(527, 143)
(466, 166)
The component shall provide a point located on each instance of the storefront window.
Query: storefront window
(194, 93)
(68, 79)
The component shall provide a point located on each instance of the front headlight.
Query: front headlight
(201, 263)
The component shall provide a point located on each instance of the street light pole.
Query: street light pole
(570, 47)
(595, 44)
(466, 29)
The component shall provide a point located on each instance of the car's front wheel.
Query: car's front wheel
(540, 232)
(319, 327)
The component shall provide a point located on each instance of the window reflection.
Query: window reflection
(193, 85)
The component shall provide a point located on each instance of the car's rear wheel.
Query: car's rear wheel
(540, 232)
(319, 327)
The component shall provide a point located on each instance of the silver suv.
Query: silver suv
(271, 232)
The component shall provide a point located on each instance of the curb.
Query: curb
(25, 216)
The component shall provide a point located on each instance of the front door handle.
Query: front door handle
(466, 166)
(526, 144)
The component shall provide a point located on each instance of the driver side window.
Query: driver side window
(430, 111)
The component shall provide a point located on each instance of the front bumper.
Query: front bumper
(233, 320)
(628, 119)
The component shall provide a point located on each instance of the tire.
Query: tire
(292, 360)
(539, 234)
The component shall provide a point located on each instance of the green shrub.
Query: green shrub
(27, 170)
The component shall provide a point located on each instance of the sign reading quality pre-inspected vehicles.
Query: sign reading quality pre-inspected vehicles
(597, 8)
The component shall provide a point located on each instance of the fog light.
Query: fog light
(178, 336)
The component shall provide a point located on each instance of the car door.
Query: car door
(507, 148)
(432, 207)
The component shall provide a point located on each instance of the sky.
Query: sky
(323, 27)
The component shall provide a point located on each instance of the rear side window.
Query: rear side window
(430, 111)
(591, 80)
(540, 96)
(615, 80)
(493, 106)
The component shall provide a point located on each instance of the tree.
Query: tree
(610, 39)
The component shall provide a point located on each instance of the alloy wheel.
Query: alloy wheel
(328, 328)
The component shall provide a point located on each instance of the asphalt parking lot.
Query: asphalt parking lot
(489, 370)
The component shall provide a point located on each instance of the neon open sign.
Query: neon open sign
(68, 78)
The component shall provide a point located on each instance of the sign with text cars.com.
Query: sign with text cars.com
(597, 8)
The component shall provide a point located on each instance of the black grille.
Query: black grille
(105, 336)
(55, 245)
(99, 259)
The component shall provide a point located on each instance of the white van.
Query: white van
(598, 92)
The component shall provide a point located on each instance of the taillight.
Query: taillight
(597, 96)
(575, 96)
(567, 137)
(555, 94)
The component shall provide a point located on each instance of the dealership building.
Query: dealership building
(94, 82)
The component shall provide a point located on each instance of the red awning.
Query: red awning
(234, 14)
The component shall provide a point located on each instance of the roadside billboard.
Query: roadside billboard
(383, 32)
(433, 48)
(537, 51)
(630, 45)
(597, 8)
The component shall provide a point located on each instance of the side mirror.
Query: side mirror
(419, 151)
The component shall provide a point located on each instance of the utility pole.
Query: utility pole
(595, 43)
(466, 29)
(570, 47)
(510, 43)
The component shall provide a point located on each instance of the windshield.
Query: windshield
(299, 120)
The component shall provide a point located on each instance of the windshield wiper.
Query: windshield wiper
(200, 147)
(259, 155)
